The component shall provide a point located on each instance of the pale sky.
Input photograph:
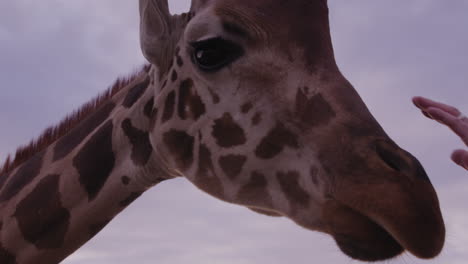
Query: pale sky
(55, 55)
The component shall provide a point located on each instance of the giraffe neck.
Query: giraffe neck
(65, 194)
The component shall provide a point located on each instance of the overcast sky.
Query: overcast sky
(55, 55)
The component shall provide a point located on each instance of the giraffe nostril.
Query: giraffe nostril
(392, 155)
(400, 160)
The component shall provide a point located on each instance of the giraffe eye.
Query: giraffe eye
(213, 54)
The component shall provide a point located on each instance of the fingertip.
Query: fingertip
(423, 103)
(417, 101)
(456, 155)
(460, 157)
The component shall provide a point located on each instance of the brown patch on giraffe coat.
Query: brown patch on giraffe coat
(256, 119)
(130, 199)
(94, 229)
(289, 183)
(164, 84)
(181, 147)
(154, 120)
(149, 110)
(206, 178)
(135, 93)
(275, 141)
(141, 145)
(95, 161)
(171, 64)
(6, 257)
(255, 191)
(245, 108)
(41, 217)
(71, 140)
(314, 111)
(227, 132)
(174, 76)
(125, 180)
(169, 106)
(23, 176)
(179, 60)
(190, 103)
(232, 165)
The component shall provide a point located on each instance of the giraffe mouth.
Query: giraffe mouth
(358, 236)
(374, 235)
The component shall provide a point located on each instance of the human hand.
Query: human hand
(451, 117)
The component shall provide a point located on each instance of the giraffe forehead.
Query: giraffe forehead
(265, 10)
(274, 17)
(288, 25)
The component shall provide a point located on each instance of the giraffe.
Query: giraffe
(244, 99)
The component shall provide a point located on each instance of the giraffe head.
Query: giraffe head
(253, 110)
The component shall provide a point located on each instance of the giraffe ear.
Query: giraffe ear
(158, 31)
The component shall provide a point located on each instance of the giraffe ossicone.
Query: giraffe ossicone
(244, 99)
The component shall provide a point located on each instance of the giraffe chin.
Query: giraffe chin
(358, 236)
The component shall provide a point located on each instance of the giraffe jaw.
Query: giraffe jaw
(367, 239)
(358, 236)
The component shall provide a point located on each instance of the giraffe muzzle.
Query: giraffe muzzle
(379, 220)
(384, 206)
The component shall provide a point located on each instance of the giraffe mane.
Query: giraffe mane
(53, 133)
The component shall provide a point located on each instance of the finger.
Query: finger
(457, 125)
(426, 114)
(442, 117)
(460, 157)
(424, 103)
